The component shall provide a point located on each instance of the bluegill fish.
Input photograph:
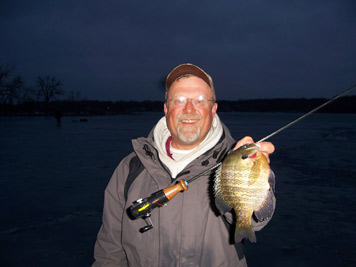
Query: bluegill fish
(242, 184)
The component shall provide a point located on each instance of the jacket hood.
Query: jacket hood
(146, 150)
(161, 134)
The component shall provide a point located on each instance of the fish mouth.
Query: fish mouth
(251, 151)
(253, 155)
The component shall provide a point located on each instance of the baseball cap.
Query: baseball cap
(188, 68)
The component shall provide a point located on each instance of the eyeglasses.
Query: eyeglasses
(181, 101)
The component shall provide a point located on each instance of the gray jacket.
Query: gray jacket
(188, 231)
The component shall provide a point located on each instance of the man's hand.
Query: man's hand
(265, 147)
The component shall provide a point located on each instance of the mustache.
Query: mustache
(188, 117)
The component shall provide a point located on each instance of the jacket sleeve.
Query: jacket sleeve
(108, 249)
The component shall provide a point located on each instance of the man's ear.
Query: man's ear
(165, 109)
(214, 108)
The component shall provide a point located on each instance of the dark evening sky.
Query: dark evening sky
(122, 50)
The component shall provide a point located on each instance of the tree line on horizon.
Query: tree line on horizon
(14, 92)
(60, 108)
(43, 98)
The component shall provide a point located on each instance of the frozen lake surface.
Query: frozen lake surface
(52, 181)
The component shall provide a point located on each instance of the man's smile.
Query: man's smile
(189, 121)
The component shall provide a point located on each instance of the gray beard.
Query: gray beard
(190, 139)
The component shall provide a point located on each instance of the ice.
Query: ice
(52, 181)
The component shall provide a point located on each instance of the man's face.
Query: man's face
(189, 123)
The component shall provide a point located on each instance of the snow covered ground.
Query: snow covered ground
(52, 181)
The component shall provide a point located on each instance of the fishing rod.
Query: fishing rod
(307, 114)
(142, 207)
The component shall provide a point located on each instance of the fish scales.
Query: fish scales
(242, 184)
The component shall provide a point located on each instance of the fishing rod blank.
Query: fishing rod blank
(307, 114)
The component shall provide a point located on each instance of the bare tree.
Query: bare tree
(48, 88)
(9, 85)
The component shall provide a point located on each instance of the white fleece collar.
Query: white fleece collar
(161, 134)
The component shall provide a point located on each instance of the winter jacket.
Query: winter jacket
(188, 231)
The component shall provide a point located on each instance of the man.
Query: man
(189, 231)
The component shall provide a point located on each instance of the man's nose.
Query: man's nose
(189, 106)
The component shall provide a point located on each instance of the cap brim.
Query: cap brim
(187, 68)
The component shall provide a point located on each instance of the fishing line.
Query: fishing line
(203, 173)
(307, 114)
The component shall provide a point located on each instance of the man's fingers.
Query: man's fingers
(265, 147)
(243, 141)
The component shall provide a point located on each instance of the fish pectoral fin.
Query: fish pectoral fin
(254, 175)
(266, 209)
(222, 206)
(272, 180)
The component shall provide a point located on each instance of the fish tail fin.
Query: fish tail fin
(245, 232)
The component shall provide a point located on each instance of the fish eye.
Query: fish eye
(244, 157)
